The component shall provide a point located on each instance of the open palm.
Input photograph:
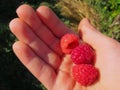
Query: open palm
(39, 33)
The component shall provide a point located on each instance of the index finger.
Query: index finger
(52, 21)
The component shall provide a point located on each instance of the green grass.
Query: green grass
(108, 11)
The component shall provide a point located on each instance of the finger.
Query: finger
(64, 73)
(41, 70)
(52, 21)
(28, 15)
(25, 34)
(93, 36)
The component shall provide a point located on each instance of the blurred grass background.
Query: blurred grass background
(103, 14)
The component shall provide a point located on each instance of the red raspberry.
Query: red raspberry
(85, 74)
(83, 54)
(68, 43)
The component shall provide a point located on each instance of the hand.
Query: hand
(39, 33)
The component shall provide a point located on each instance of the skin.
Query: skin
(39, 32)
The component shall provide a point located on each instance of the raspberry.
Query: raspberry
(85, 74)
(68, 43)
(83, 54)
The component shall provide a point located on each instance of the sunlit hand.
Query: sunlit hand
(39, 33)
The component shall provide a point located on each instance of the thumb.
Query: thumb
(92, 36)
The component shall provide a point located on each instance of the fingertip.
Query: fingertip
(44, 12)
(22, 7)
(84, 20)
(85, 26)
(15, 25)
(25, 11)
(12, 23)
(17, 49)
(42, 8)
(16, 46)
